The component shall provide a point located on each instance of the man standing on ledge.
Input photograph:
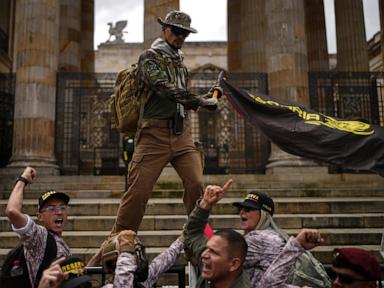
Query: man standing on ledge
(163, 135)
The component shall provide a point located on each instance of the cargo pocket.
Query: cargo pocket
(134, 167)
(199, 148)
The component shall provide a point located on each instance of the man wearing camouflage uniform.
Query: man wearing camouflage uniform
(163, 135)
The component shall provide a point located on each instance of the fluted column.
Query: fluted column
(287, 64)
(234, 19)
(352, 49)
(316, 36)
(381, 8)
(252, 34)
(152, 10)
(36, 58)
(87, 54)
(70, 26)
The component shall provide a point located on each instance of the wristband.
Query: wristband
(22, 179)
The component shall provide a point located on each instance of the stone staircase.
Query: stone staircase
(348, 209)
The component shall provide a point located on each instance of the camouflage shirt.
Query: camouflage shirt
(34, 239)
(126, 265)
(263, 247)
(276, 275)
(164, 80)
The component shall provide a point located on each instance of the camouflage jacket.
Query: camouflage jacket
(126, 265)
(34, 239)
(276, 275)
(164, 79)
(263, 247)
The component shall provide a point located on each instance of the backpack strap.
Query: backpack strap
(143, 100)
(49, 254)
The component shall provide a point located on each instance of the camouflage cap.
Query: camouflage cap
(178, 19)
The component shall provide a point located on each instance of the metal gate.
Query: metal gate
(7, 96)
(348, 95)
(352, 95)
(86, 144)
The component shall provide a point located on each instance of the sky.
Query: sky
(209, 17)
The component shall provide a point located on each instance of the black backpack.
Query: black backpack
(16, 257)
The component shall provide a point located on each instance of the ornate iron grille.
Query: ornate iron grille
(85, 141)
(348, 95)
(7, 96)
(352, 95)
(86, 144)
(230, 144)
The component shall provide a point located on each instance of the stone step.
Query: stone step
(161, 222)
(169, 180)
(167, 206)
(109, 192)
(93, 239)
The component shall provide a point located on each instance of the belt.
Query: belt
(159, 123)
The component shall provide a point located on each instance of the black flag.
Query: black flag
(301, 131)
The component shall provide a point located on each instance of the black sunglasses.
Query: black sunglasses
(343, 278)
(179, 32)
(246, 209)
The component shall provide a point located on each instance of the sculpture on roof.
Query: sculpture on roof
(117, 32)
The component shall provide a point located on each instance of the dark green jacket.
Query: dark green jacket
(196, 242)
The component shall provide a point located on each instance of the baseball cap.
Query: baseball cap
(257, 200)
(75, 266)
(50, 194)
(358, 260)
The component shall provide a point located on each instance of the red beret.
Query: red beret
(359, 260)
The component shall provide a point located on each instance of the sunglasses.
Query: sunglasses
(343, 278)
(246, 209)
(179, 32)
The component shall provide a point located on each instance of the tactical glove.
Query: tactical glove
(218, 89)
(209, 103)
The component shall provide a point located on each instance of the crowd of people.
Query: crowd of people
(264, 256)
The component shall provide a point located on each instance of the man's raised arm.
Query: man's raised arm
(15, 201)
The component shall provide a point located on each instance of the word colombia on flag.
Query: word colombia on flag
(304, 132)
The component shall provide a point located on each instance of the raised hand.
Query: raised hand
(213, 194)
(309, 238)
(29, 173)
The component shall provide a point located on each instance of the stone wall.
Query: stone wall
(115, 57)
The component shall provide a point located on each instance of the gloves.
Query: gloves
(125, 241)
(218, 89)
(209, 103)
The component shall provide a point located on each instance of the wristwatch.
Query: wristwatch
(22, 179)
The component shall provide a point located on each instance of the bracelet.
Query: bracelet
(22, 179)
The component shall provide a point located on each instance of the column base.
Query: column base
(292, 170)
(42, 167)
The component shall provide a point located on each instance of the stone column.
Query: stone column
(316, 36)
(352, 49)
(36, 58)
(252, 33)
(234, 38)
(152, 10)
(87, 54)
(381, 8)
(70, 26)
(287, 66)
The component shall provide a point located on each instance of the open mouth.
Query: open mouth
(59, 221)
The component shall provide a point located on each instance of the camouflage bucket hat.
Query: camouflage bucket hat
(178, 19)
